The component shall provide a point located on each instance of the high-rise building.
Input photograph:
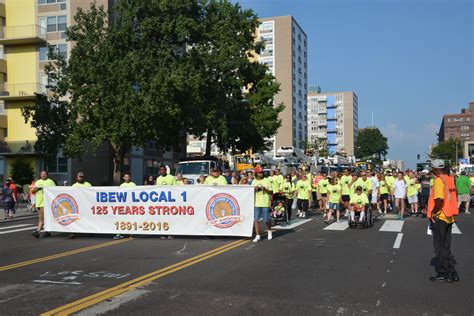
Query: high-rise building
(285, 55)
(458, 126)
(333, 116)
(27, 27)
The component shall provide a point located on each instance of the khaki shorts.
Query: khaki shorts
(464, 198)
(40, 214)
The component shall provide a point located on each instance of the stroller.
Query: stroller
(279, 212)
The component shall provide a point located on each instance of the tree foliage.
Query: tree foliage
(446, 150)
(237, 94)
(159, 70)
(371, 143)
(322, 147)
(22, 172)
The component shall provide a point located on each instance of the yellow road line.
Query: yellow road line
(63, 254)
(140, 281)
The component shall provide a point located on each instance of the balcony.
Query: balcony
(22, 34)
(21, 91)
(18, 148)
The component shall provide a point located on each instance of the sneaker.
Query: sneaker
(35, 234)
(338, 221)
(270, 236)
(304, 215)
(118, 236)
(441, 278)
(467, 212)
(454, 276)
(46, 234)
(327, 221)
(257, 238)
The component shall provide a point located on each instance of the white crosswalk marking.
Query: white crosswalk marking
(294, 223)
(14, 226)
(343, 225)
(17, 230)
(392, 226)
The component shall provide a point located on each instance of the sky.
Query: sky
(409, 61)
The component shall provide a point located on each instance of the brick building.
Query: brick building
(458, 126)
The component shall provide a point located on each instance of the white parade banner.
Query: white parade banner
(151, 210)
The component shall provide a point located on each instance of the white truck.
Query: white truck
(193, 168)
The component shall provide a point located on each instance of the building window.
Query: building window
(58, 165)
(50, 1)
(62, 23)
(56, 23)
(43, 51)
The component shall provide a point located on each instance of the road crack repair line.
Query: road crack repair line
(384, 283)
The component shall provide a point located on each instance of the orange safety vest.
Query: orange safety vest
(450, 203)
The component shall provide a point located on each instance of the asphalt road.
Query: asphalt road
(304, 270)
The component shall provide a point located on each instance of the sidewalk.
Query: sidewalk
(21, 213)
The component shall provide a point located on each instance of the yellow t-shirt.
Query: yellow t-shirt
(472, 181)
(303, 188)
(288, 188)
(323, 186)
(411, 188)
(384, 188)
(82, 185)
(345, 181)
(390, 180)
(277, 182)
(366, 185)
(166, 180)
(406, 178)
(39, 194)
(359, 200)
(220, 180)
(335, 193)
(262, 198)
(438, 193)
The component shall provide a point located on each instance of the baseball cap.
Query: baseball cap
(258, 169)
(425, 171)
(438, 164)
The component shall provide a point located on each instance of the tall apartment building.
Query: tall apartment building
(333, 116)
(458, 126)
(285, 55)
(28, 26)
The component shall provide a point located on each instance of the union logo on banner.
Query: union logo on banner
(65, 209)
(223, 211)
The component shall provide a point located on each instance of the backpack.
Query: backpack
(7, 194)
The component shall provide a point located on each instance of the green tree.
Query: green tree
(371, 142)
(22, 172)
(125, 81)
(158, 71)
(447, 150)
(322, 147)
(237, 97)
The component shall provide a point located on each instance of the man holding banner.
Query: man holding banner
(44, 181)
(263, 192)
(165, 178)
